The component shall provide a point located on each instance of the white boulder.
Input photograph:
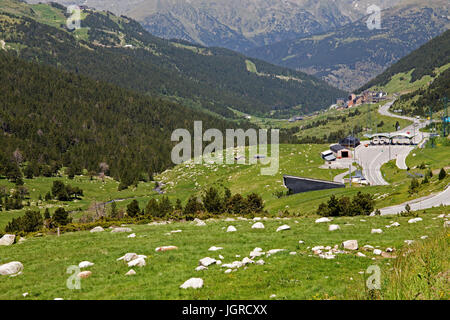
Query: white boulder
(97, 229)
(324, 219)
(377, 252)
(415, 220)
(333, 227)
(231, 229)
(139, 262)
(130, 273)
(207, 261)
(258, 225)
(85, 264)
(121, 230)
(350, 244)
(194, 283)
(283, 227)
(7, 239)
(214, 248)
(128, 257)
(11, 268)
(376, 231)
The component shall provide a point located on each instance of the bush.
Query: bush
(32, 221)
(442, 174)
(212, 201)
(133, 209)
(61, 217)
(361, 204)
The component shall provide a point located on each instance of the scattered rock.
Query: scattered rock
(283, 227)
(133, 235)
(246, 261)
(130, 273)
(231, 229)
(258, 225)
(207, 261)
(11, 268)
(350, 245)
(360, 254)
(376, 231)
(447, 224)
(201, 268)
(85, 264)
(139, 262)
(121, 230)
(128, 257)
(414, 220)
(199, 223)
(333, 227)
(423, 237)
(292, 253)
(273, 296)
(214, 248)
(221, 257)
(324, 219)
(84, 274)
(166, 248)
(194, 283)
(97, 229)
(260, 262)
(273, 251)
(377, 252)
(409, 242)
(176, 231)
(7, 240)
(228, 271)
(389, 250)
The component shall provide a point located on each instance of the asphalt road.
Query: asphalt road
(371, 158)
(436, 200)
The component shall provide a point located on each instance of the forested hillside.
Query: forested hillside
(120, 51)
(50, 119)
(422, 61)
(431, 60)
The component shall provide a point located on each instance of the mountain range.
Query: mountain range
(237, 24)
(353, 54)
(118, 50)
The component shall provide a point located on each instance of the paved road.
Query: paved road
(436, 200)
(371, 158)
(340, 177)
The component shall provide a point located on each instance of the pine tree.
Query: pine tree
(133, 209)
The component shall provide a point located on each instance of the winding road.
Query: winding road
(371, 158)
(442, 198)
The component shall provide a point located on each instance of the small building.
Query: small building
(341, 152)
(350, 142)
(328, 156)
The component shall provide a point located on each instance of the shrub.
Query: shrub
(133, 209)
(193, 206)
(32, 221)
(212, 201)
(61, 217)
(442, 174)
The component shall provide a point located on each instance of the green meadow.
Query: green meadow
(300, 276)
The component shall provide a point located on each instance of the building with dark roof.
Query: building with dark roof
(350, 142)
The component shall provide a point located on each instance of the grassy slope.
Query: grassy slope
(335, 125)
(289, 277)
